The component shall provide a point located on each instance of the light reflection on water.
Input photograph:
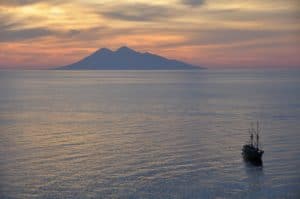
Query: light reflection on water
(147, 134)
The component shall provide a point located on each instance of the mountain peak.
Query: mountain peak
(124, 49)
(104, 50)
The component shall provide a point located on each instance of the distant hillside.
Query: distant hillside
(126, 59)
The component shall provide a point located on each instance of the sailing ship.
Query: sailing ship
(251, 151)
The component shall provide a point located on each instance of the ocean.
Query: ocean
(148, 134)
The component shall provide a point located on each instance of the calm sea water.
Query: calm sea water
(147, 134)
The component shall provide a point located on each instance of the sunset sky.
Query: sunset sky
(210, 33)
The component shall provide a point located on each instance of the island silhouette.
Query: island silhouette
(126, 58)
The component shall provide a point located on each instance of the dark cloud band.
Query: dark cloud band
(26, 2)
(193, 2)
(139, 12)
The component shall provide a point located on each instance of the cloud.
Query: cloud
(213, 37)
(73, 32)
(10, 30)
(24, 2)
(139, 12)
(193, 2)
(236, 14)
(7, 35)
(231, 36)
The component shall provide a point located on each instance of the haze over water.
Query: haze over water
(147, 134)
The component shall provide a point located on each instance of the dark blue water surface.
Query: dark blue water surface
(148, 134)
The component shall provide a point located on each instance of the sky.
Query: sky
(211, 33)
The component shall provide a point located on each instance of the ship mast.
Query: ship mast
(251, 136)
(251, 133)
(257, 134)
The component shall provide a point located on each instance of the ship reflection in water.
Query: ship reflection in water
(255, 178)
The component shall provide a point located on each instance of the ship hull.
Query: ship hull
(252, 154)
